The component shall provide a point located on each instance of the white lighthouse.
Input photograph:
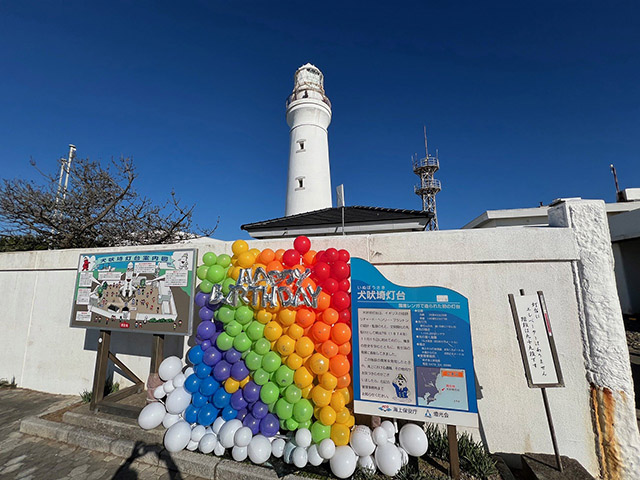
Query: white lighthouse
(308, 116)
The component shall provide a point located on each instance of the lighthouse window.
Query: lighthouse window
(300, 183)
(300, 145)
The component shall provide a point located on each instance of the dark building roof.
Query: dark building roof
(332, 217)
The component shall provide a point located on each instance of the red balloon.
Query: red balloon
(320, 256)
(302, 244)
(340, 300)
(322, 271)
(344, 285)
(330, 255)
(344, 316)
(330, 286)
(340, 270)
(343, 255)
(291, 257)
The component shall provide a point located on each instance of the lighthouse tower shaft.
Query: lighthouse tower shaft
(308, 116)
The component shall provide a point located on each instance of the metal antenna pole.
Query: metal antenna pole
(615, 179)
(72, 153)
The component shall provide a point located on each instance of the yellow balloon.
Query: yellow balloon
(346, 394)
(302, 378)
(254, 252)
(320, 396)
(294, 361)
(319, 364)
(272, 331)
(304, 347)
(295, 331)
(316, 412)
(263, 316)
(327, 415)
(231, 385)
(306, 391)
(287, 316)
(340, 434)
(343, 416)
(245, 260)
(351, 422)
(234, 273)
(239, 246)
(244, 381)
(328, 381)
(337, 401)
(285, 345)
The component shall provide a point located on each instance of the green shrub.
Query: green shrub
(109, 387)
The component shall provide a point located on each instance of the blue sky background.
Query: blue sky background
(526, 102)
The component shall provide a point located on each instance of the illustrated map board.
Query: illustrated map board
(412, 352)
(145, 292)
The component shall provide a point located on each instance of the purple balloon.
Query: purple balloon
(232, 356)
(251, 391)
(202, 299)
(252, 422)
(269, 425)
(242, 413)
(205, 345)
(212, 356)
(239, 370)
(205, 314)
(198, 340)
(222, 370)
(237, 400)
(206, 329)
(259, 410)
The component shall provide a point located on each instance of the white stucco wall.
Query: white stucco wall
(485, 265)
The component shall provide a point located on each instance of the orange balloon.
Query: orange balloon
(309, 258)
(308, 283)
(319, 364)
(329, 349)
(320, 332)
(339, 365)
(304, 347)
(328, 381)
(343, 415)
(274, 265)
(302, 378)
(344, 381)
(287, 316)
(279, 254)
(340, 434)
(267, 256)
(320, 396)
(345, 348)
(294, 361)
(324, 300)
(330, 316)
(305, 317)
(340, 333)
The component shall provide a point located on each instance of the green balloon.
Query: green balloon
(242, 342)
(215, 274)
(226, 313)
(224, 341)
(292, 394)
(319, 431)
(226, 285)
(233, 328)
(209, 258)
(244, 314)
(283, 425)
(255, 330)
(224, 260)
(284, 376)
(206, 286)
(272, 407)
(262, 346)
(302, 410)
(201, 272)
(284, 409)
(253, 361)
(260, 376)
(271, 361)
(269, 392)
(291, 424)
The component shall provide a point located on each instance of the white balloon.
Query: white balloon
(242, 437)
(277, 447)
(177, 437)
(379, 436)
(343, 462)
(239, 454)
(170, 419)
(413, 440)
(259, 449)
(367, 463)
(217, 424)
(404, 456)
(197, 433)
(228, 431)
(388, 458)
(168, 386)
(218, 450)
(188, 372)
(289, 447)
(313, 456)
(327, 448)
(159, 392)
(151, 416)
(178, 380)
(169, 368)
(303, 437)
(361, 441)
(178, 401)
(207, 443)
(299, 457)
(192, 445)
(389, 427)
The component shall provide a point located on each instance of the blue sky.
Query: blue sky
(526, 102)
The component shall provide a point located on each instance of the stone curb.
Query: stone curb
(185, 462)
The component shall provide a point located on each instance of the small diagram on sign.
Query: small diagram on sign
(400, 384)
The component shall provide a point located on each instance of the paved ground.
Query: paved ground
(29, 458)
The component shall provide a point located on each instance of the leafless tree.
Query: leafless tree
(100, 208)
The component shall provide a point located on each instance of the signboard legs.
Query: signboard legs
(454, 458)
(551, 428)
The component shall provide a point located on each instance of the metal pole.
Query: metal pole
(343, 221)
(72, 153)
(551, 428)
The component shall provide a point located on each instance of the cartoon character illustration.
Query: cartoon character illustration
(85, 265)
(183, 263)
(400, 384)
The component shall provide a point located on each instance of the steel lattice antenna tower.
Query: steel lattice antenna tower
(428, 186)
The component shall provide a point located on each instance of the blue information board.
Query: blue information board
(412, 350)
